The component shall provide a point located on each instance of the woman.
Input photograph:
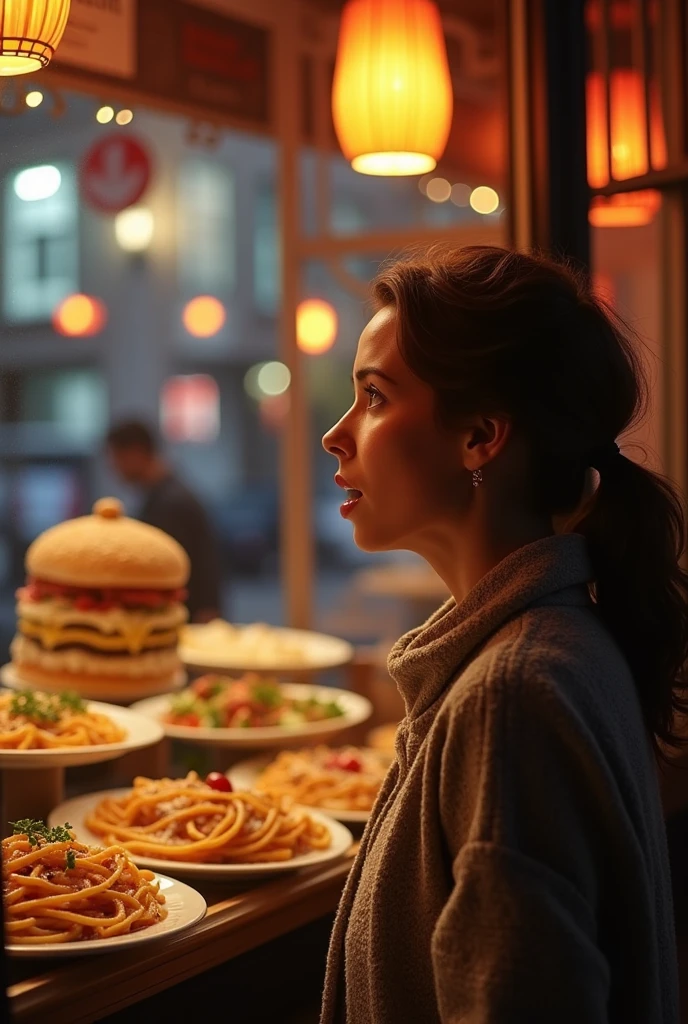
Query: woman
(514, 869)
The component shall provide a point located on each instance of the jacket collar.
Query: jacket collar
(550, 571)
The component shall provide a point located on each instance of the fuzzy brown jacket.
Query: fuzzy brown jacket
(514, 869)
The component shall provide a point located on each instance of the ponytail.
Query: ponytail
(635, 529)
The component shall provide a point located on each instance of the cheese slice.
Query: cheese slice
(134, 636)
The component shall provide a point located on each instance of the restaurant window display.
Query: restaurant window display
(41, 240)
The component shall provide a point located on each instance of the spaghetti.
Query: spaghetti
(188, 820)
(46, 721)
(59, 890)
(336, 780)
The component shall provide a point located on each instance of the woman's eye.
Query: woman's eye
(374, 396)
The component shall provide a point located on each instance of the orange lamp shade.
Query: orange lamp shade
(392, 96)
(316, 326)
(79, 316)
(204, 316)
(30, 31)
(629, 156)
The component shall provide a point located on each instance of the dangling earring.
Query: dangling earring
(477, 477)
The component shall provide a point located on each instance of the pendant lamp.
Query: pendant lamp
(392, 96)
(30, 31)
(629, 155)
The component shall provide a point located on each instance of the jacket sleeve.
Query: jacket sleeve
(524, 815)
(515, 944)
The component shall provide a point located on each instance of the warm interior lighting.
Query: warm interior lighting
(79, 316)
(134, 228)
(392, 94)
(30, 31)
(124, 117)
(438, 190)
(484, 199)
(204, 316)
(629, 156)
(316, 326)
(105, 114)
(34, 99)
(36, 183)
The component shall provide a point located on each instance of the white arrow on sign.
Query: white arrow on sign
(116, 182)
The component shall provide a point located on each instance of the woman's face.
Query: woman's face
(392, 452)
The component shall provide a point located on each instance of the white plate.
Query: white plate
(141, 732)
(101, 689)
(243, 649)
(77, 810)
(357, 709)
(185, 907)
(244, 774)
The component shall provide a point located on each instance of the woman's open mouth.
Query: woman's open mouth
(353, 497)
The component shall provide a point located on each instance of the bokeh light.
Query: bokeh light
(484, 199)
(79, 316)
(316, 326)
(438, 190)
(204, 316)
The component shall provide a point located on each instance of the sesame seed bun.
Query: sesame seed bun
(107, 549)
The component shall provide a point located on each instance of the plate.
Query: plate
(244, 774)
(100, 690)
(77, 810)
(141, 732)
(185, 907)
(357, 709)
(257, 648)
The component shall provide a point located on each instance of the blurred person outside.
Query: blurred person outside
(171, 506)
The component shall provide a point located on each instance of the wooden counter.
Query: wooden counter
(89, 988)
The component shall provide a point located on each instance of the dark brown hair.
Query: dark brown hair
(497, 331)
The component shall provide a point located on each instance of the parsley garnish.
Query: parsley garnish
(44, 707)
(38, 833)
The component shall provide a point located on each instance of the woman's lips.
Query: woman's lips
(353, 496)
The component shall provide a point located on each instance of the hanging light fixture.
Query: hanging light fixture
(629, 156)
(30, 31)
(392, 95)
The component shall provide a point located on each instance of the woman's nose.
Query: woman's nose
(336, 442)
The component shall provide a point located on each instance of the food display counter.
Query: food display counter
(72, 992)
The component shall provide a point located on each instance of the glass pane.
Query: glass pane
(627, 267)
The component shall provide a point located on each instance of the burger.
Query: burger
(102, 605)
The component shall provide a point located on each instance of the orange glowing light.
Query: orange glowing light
(79, 316)
(392, 97)
(629, 156)
(204, 316)
(316, 326)
(30, 31)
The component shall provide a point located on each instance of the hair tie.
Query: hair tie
(603, 456)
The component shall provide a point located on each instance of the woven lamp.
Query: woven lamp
(30, 31)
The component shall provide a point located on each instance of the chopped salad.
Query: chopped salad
(251, 701)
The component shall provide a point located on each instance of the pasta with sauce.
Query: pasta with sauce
(189, 820)
(58, 890)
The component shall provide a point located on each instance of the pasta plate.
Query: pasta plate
(76, 811)
(140, 732)
(185, 907)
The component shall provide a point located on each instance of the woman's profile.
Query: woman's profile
(514, 869)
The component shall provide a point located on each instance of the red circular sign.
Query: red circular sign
(115, 173)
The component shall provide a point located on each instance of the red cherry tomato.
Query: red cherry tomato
(218, 781)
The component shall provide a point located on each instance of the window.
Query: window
(74, 400)
(207, 251)
(266, 251)
(41, 243)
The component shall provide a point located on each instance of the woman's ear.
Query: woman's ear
(484, 440)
